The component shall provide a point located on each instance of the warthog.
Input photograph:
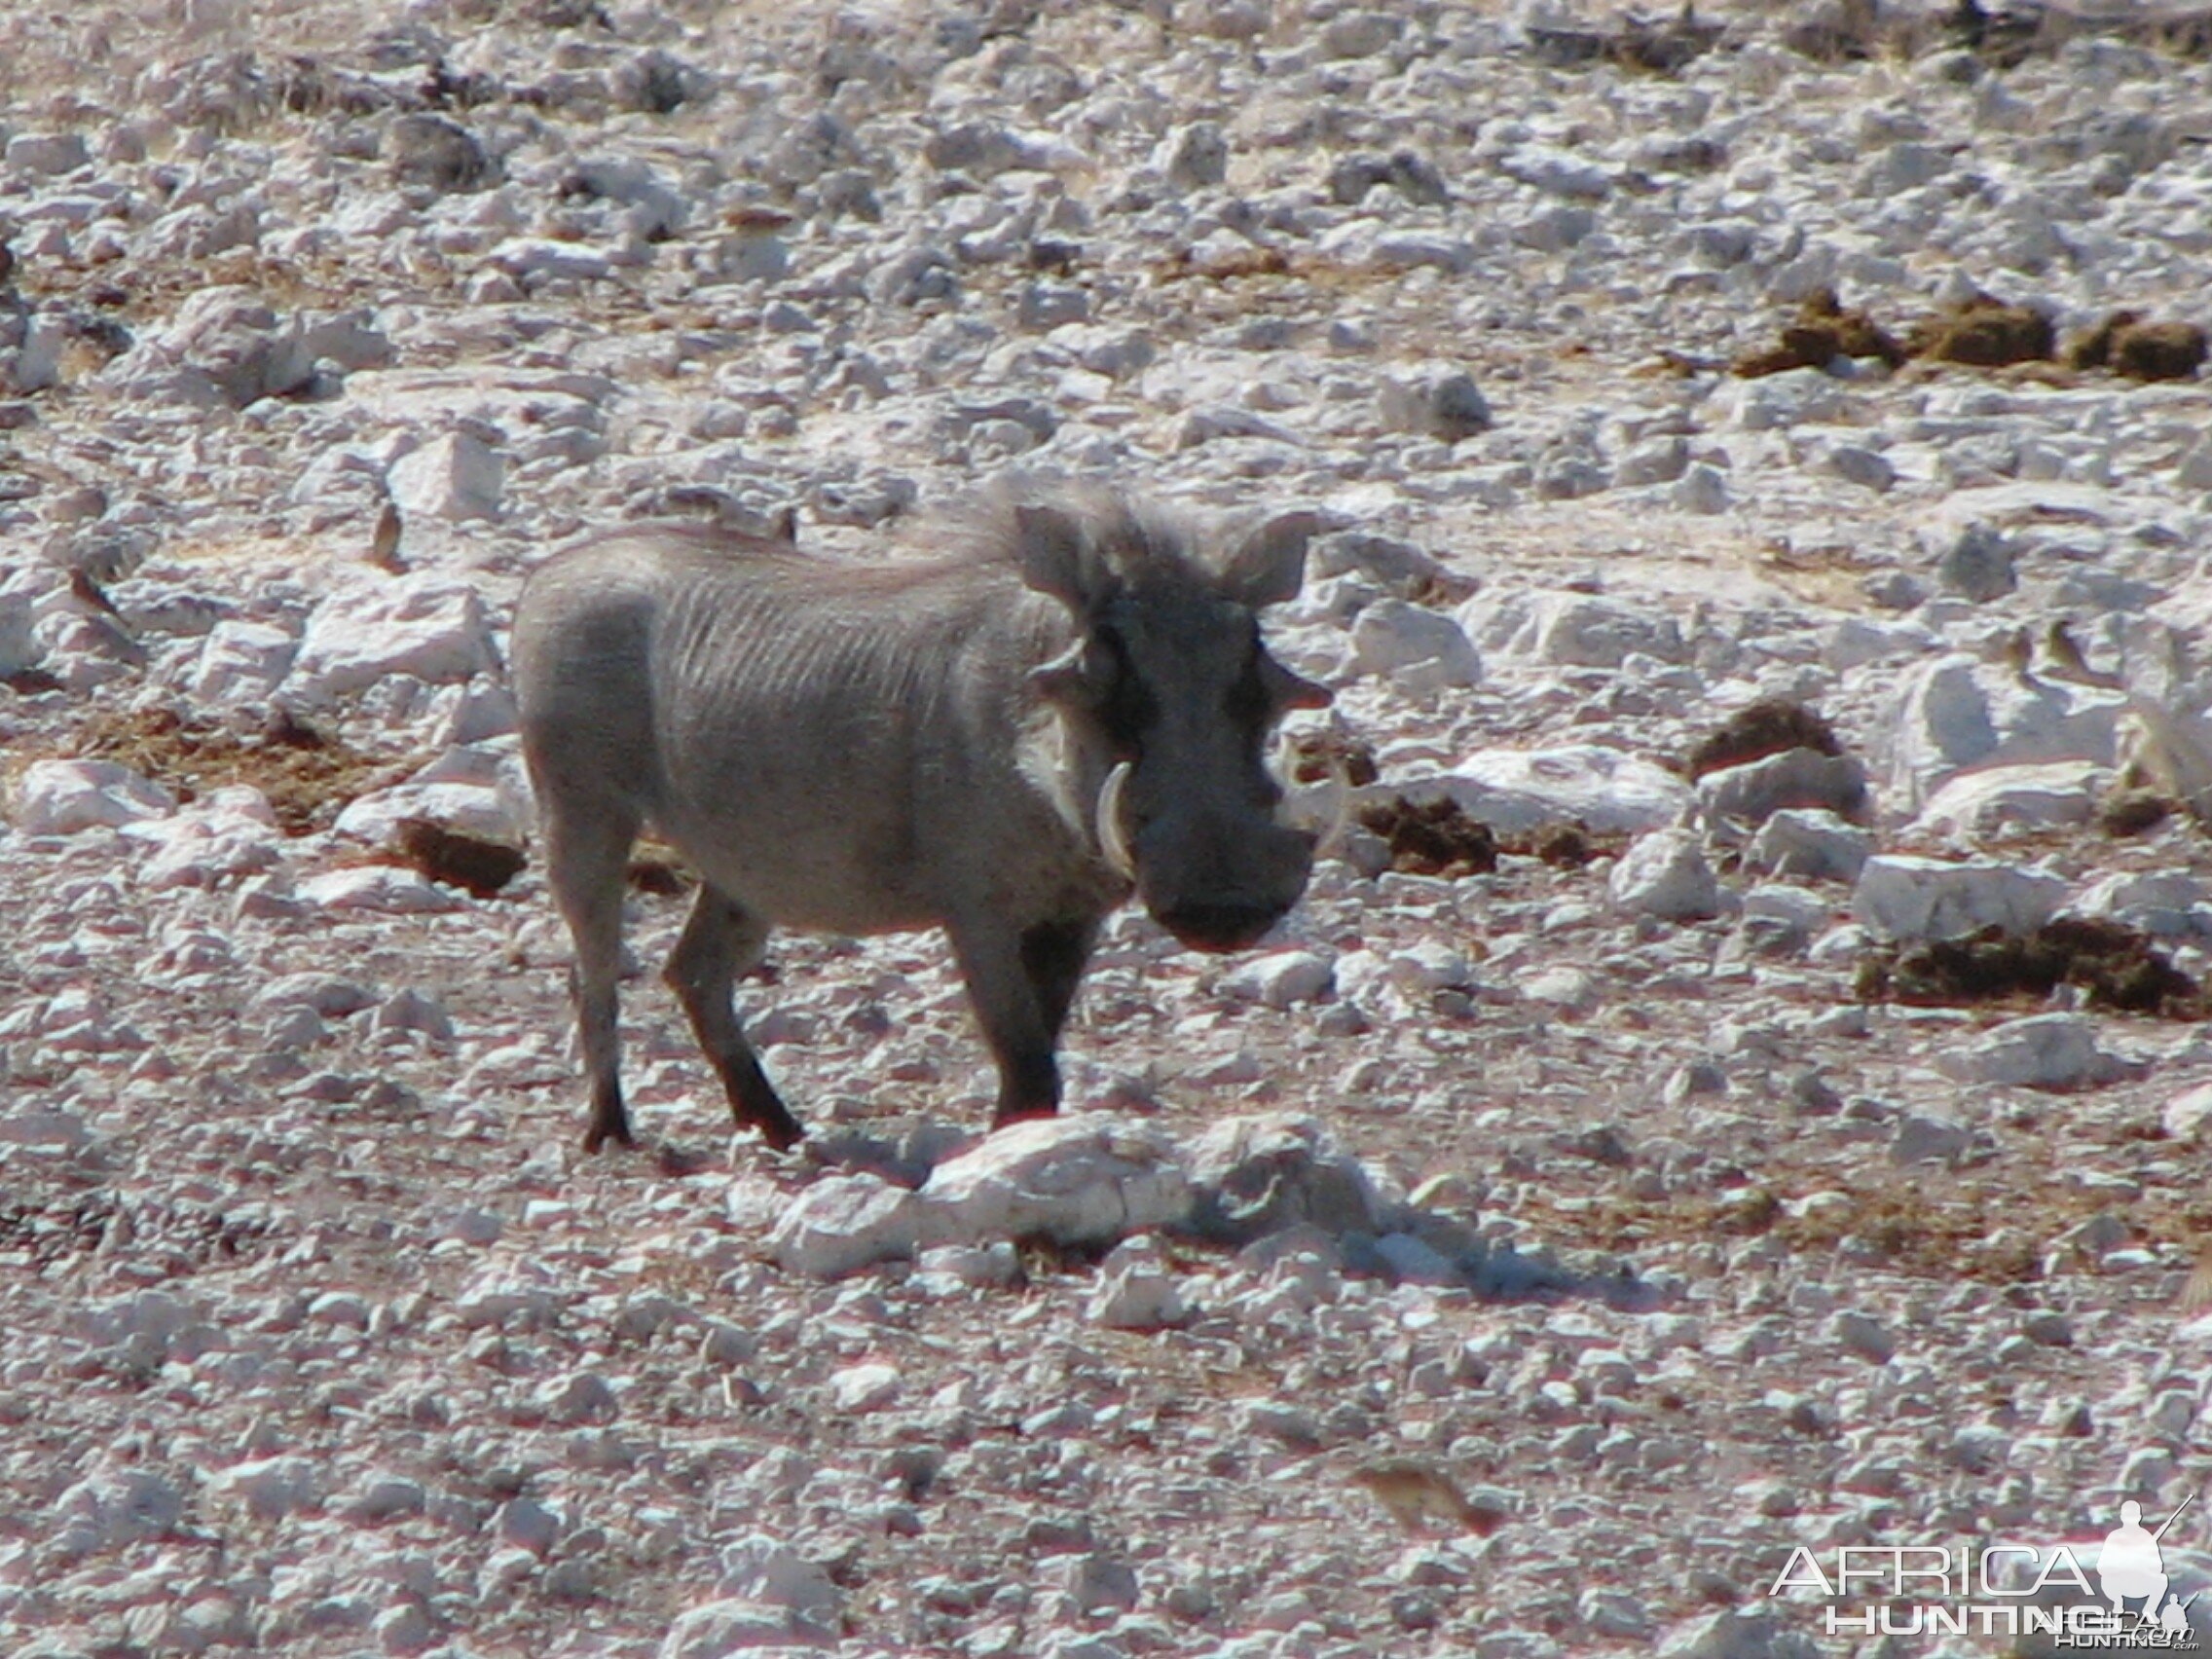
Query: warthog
(1005, 744)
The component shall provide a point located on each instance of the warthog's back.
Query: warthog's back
(834, 746)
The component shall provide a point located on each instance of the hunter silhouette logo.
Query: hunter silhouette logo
(2129, 1568)
(2123, 1598)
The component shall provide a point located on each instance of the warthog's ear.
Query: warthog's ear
(1268, 565)
(1055, 558)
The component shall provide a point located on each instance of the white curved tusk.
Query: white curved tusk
(1322, 810)
(1112, 842)
(1339, 822)
(1336, 816)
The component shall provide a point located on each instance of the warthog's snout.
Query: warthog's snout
(1243, 880)
(1221, 927)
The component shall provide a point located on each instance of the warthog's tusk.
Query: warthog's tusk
(1335, 815)
(1112, 842)
(1320, 810)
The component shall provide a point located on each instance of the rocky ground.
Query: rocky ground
(1643, 1170)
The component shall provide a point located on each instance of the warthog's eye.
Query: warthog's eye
(1127, 710)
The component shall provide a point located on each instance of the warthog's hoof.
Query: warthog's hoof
(779, 1128)
(598, 1135)
(610, 1121)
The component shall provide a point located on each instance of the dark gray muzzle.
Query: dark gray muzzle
(1225, 887)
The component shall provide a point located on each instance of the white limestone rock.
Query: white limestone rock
(1281, 979)
(1562, 987)
(1421, 649)
(242, 659)
(1771, 403)
(1899, 897)
(456, 477)
(1976, 563)
(19, 647)
(843, 1223)
(270, 1488)
(1665, 874)
(225, 344)
(1856, 640)
(1513, 791)
(47, 152)
(1660, 458)
(1958, 713)
(533, 261)
(734, 1625)
(1702, 492)
(1403, 569)
(472, 809)
(1434, 399)
(1570, 630)
(107, 1511)
(865, 1387)
(1812, 845)
(30, 353)
(1360, 34)
(1797, 779)
(2035, 795)
(2186, 1114)
(327, 994)
(1194, 157)
(532, 417)
(1745, 1632)
(2053, 1051)
(2166, 904)
(1780, 919)
(1259, 1174)
(382, 888)
(1081, 1179)
(1136, 1289)
(767, 1571)
(223, 836)
(56, 1132)
(428, 626)
(60, 797)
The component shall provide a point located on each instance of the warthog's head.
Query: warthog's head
(1169, 696)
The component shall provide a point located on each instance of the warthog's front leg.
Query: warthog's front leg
(721, 940)
(1052, 955)
(1023, 983)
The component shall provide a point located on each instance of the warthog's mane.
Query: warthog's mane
(1141, 542)
(1144, 544)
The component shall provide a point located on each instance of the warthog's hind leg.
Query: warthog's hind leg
(721, 940)
(1022, 984)
(585, 855)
